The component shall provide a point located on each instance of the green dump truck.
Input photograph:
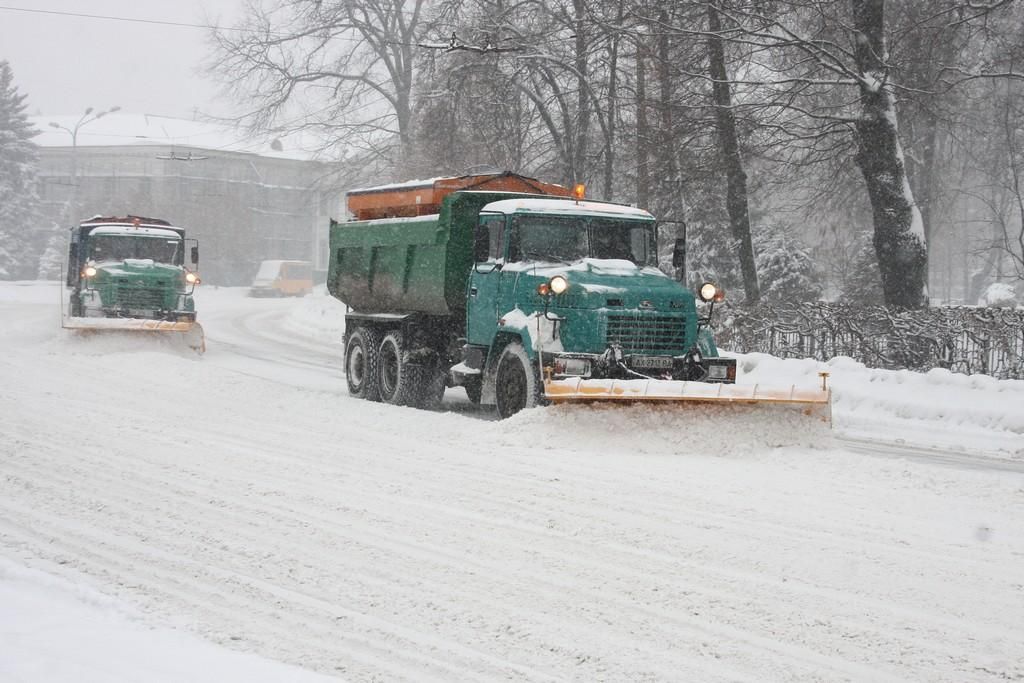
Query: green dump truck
(521, 297)
(134, 274)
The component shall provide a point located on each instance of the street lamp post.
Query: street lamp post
(88, 117)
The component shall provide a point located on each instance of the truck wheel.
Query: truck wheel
(400, 383)
(361, 361)
(516, 385)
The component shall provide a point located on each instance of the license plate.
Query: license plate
(658, 362)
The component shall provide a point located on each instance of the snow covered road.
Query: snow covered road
(243, 497)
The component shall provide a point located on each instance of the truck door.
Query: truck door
(484, 279)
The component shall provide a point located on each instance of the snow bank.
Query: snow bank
(318, 315)
(101, 639)
(936, 408)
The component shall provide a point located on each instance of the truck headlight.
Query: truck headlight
(709, 292)
(555, 285)
(89, 271)
(192, 278)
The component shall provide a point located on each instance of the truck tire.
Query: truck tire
(361, 361)
(400, 383)
(516, 384)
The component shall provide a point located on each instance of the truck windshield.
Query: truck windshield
(268, 270)
(568, 239)
(618, 239)
(548, 238)
(121, 247)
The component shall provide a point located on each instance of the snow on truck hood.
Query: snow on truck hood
(598, 266)
(135, 266)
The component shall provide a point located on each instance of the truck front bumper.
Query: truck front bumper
(609, 365)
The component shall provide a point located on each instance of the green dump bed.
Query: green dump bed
(408, 265)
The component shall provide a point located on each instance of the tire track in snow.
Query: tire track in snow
(563, 587)
(733, 525)
(744, 522)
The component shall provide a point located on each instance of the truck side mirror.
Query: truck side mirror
(195, 255)
(481, 244)
(73, 264)
(679, 253)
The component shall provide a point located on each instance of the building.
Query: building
(246, 198)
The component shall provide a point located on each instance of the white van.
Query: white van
(283, 278)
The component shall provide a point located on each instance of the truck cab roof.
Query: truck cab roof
(567, 206)
(131, 230)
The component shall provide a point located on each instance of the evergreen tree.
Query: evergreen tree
(711, 257)
(52, 259)
(18, 199)
(784, 266)
(863, 285)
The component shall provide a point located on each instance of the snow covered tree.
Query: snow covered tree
(711, 257)
(998, 295)
(784, 266)
(18, 199)
(863, 284)
(52, 258)
(899, 229)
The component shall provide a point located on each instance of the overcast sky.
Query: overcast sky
(67, 63)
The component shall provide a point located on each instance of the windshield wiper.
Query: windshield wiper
(548, 257)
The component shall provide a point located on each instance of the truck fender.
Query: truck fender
(512, 332)
(505, 335)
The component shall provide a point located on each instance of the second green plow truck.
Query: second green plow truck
(522, 294)
(133, 274)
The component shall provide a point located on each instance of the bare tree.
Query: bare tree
(344, 68)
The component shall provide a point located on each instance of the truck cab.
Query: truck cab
(132, 267)
(575, 285)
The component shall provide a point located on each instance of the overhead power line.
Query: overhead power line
(108, 17)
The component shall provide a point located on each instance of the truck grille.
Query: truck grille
(647, 333)
(127, 296)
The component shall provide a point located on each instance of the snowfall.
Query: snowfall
(237, 516)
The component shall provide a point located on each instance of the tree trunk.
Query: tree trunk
(582, 95)
(671, 192)
(736, 177)
(898, 228)
(643, 131)
(613, 98)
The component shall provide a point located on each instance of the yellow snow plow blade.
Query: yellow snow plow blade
(816, 401)
(191, 332)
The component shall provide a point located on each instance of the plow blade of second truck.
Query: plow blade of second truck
(191, 333)
(816, 402)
